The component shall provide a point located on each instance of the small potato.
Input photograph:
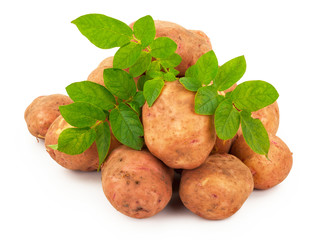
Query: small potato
(191, 44)
(266, 173)
(269, 117)
(40, 114)
(218, 188)
(173, 132)
(86, 161)
(136, 183)
(97, 75)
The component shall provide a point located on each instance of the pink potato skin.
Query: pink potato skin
(191, 44)
(136, 183)
(266, 173)
(218, 188)
(86, 161)
(173, 132)
(41, 113)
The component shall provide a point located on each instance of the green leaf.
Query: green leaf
(190, 83)
(169, 77)
(54, 146)
(207, 100)
(205, 68)
(152, 89)
(141, 81)
(154, 67)
(227, 120)
(174, 71)
(91, 92)
(127, 55)
(254, 95)
(126, 126)
(104, 32)
(144, 30)
(141, 65)
(162, 47)
(119, 83)
(137, 102)
(75, 141)
(172, 61)
(229, 73)
(155, 74)
(103, 139)
(82, 114)
(254, 133)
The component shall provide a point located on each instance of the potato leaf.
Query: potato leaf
(190, 83)
(127, 55)
(207, 100)
(152, 90)
(144, 30)
(141, 65)
(227, 120)
(82, 114)
(103, 139)
(104, 32)
(163, 47)
(126, 126)
(141, 82)
(254, 133)
(119, 83)
(91, 92)
(229, 73)
(75, 141)
(254, 95)
(171, 61)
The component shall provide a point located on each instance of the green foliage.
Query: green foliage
(144, 30)
(162, 47)
(152, 90)
(127, 55)
(103, 138)
(141, 65)
(207, 100)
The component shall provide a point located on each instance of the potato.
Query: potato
(40, 114)
(136, 183)
(173, 132)
(191, 44)
(97, 76)
(266, 173)
(86, 161)
(269, 116)
(218, 188)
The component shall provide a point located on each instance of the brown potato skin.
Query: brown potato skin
(86, 161)
(173, 132)
(269, 116)
(136, 183)
(191, 44)
(40, 114)
(218, 188)
(266, 173)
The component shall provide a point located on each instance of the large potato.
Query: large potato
(40, 114)
(269, 117)
(173, 132)
(191, 44)
(266, 172)
(136, 183)
(86, 161)
(218, 188)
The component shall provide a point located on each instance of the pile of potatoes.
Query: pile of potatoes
(216, 176)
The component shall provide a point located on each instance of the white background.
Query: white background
(41, 52)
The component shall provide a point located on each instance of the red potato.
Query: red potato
(86, 161)
(136, 183)
(191, 44)
(218, 188)
(40, 114)
(173, 132)
(266, 173)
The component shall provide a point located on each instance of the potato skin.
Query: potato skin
(173, 132)
(40, 114)
(266, 173)
(218, 188)
(136, 183)
(86, 161)
(191, 44)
